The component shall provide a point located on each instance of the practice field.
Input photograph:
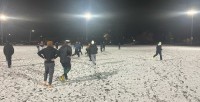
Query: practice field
(126, 75)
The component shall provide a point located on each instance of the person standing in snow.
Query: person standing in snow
(119, 46)
(42, 44)
(80, 48)
(93, 51)
(8, 52)
(65, 53)
(88, 51)
(77, 47)
(159, 50)
(103, 45)
(38, 47)
(49, 54)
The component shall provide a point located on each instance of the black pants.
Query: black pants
(159, 54)
(66, 68)
(89, 56)
(49, 70)
(76, 53)
(80, 51)
(8, 59)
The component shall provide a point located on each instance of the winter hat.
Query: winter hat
(67, 41)
(92, 42)
(159, 43)
(50, 43)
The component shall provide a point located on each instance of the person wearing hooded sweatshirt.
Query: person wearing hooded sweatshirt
(159, 50)
(65, 53)
(49, 54)
(93, 51)
(8, 52)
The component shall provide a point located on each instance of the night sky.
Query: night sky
(58, 19)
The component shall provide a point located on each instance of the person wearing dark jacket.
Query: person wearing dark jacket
(119, 45)
(104, 46)
(159, 50)
(80, 48)
(8, 52)
(101, 47)
(49, 54)
(88, 51)
(65, 53)
(77, 47)
(93, 51)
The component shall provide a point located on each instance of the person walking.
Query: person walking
(77, 47)
(88, 51)
(49, 54)
(159, 50)
(104, 46)
(8, 52)
(81, 47)
(93, 51)
(65, 53)
(101, 46)
(119, 46)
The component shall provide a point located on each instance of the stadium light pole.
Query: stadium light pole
(191, 13)
(87, 16)
(2, 18)
(30, 35)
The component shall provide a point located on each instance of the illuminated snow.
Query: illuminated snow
(126, 75)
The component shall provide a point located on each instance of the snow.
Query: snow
(126, 75)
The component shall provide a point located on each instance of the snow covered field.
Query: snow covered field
(126, 75)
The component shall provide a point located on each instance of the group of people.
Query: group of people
(49, 54)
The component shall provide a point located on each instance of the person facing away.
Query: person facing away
(93, 51)
(104, 46)
(49, 54)
(119, 45)
(77, 47)
(101, 46)
(80, 48)
(88, 51)
(159, 50)
(65, 53)
(8, 52)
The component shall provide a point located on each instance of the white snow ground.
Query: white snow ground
(127, 75)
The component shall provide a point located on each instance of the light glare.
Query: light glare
(191, 12)
(88, 16)
(3, 17)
